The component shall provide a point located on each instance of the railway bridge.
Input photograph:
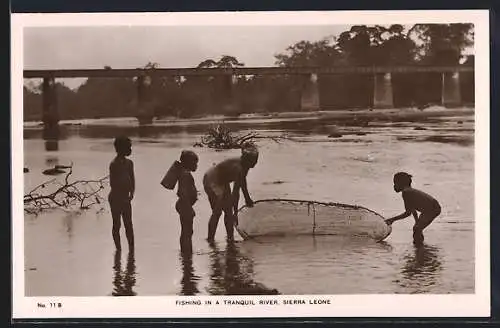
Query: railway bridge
(310, 94)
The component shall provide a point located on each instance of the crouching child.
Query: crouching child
(415, 201)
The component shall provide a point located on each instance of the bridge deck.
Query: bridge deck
(75, 73)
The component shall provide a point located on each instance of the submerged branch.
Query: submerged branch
(67, 194)
(221, 137)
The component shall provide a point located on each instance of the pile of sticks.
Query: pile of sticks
(221, 137)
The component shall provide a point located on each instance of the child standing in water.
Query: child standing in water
(180, 173)
(122, 182)
(216, 183)
(415, 201)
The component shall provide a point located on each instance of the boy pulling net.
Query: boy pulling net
(216, 183)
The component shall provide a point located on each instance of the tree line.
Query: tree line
(361, 45)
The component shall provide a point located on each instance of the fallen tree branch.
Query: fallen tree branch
(221, 137)
(51, 194)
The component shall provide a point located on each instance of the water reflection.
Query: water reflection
(189, 282)
(124, 280)
(421, 269)
(148, 131)
(51, 160)
(231, 273)
(384, 245)
(68, 223)
(51, 136)
(52, 145)
(163, 128)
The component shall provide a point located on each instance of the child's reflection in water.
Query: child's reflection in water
(189, 282)
(231, 273)
(124, 280)
(421, 269)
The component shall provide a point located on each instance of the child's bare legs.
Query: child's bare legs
(214, 218)
(217, 203)
(186, 234)
(186, 226)
(229, 223)
(227, 206)
(116, 212)
(186, 215)
(127, 222)
(424, 220)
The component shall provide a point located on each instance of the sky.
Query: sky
(170, 46)
(84, 47)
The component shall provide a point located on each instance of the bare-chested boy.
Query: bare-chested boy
(122, 181)
(188, 195)
(415, 201)
(216, 183)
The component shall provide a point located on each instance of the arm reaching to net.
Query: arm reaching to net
(401, 216)
(241, 183)
(409, 210)
(244, 189)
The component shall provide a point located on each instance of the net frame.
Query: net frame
(312, 203)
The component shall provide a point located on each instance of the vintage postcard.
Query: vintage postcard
(244, 164)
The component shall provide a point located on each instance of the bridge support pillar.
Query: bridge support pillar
(144, 107)
(310, 93)
(229, 101)
(382, 93)
(50, 114)
(450, 96)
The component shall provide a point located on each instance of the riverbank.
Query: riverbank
(349, 117)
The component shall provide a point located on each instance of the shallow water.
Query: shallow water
(72, 254)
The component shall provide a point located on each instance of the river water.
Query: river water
(72, 253)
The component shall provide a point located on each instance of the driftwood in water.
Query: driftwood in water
(221, 137)
(56, 170)
(51, 194)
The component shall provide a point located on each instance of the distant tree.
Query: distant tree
(152, 65)
(208, 94)
(105, 97)
(467, 82)
(306, 53)
(32, 105)
(357, 45)
(442, 44)
(227, 61)
(66, 101)
(395, 47)
(209, 63)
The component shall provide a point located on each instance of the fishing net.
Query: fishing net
(282, 217)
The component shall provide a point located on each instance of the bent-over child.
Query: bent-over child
(415, 201)
(216, 183)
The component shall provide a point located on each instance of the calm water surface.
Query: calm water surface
(72, 254)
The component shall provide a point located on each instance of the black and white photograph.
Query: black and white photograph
(251, 164)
